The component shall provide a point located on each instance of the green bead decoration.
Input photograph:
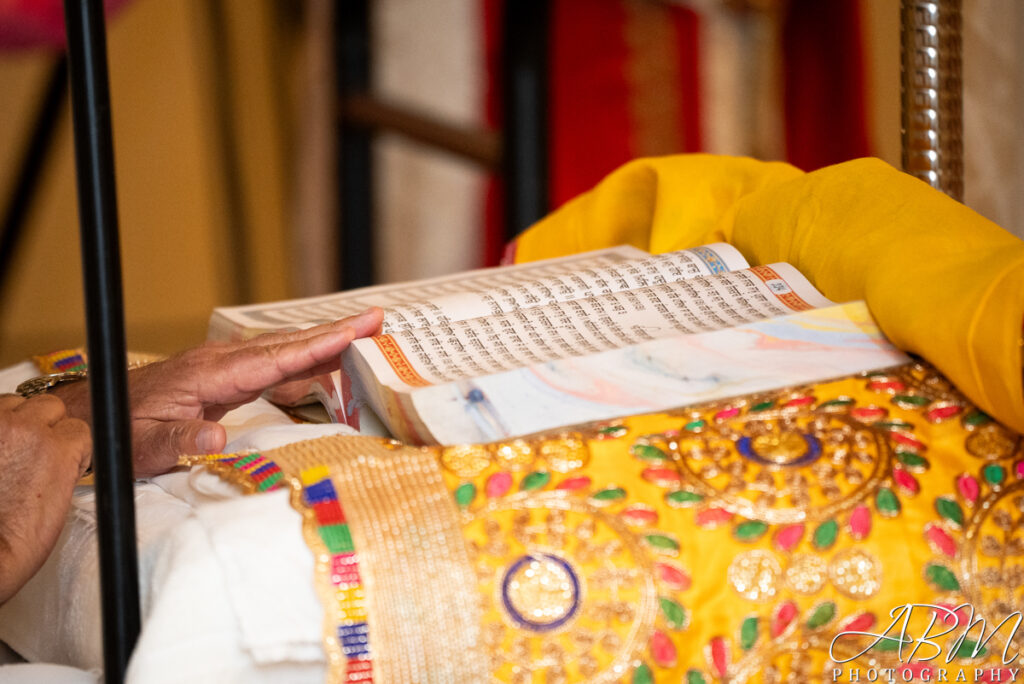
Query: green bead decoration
(909, 400)
(610, 494)
(675, 614)
(893, 425)
(966, 650)
(748, 633)
(911, 460)
(887, 502)
(821, 615)
(886, 645)
(977, 418)
(683, 497)
(535, 480)
(825, 535)
(750, 531)
(942, 577)
(646, 452)
(950, 510)
(994, 474)
(642, 674)
(464, 494)
(662, 542)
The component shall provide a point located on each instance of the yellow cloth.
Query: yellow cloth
(942, 281)
(730, 542)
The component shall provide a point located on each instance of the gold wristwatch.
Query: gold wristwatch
(45, 383)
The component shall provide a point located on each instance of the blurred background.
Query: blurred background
(224, 116)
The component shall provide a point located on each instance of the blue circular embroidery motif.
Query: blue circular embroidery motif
(540, 592)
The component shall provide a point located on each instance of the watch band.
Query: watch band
(45, 383)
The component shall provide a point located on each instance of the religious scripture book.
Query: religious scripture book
(501, 353)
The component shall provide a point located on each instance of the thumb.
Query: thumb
(160, 445)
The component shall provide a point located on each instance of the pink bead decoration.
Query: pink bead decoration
(918, 671)
(673, 577)
(860, 522)
(799, 401)
(573, 484)
(662, 476)
(710, 517)
(636, 515)
(344, 569)
(719, 657)
(886, 386)
(662, 649)
(728, 413)
(941, 413)
(783, 617)
(905, 480)
(868, 414)
(861, 623)
(788, 537)
(941, 539)
(498, 484)
(959, 617)
(968, 488)
(906, 440)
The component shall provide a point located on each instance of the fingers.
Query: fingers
(289, 393)
(247, 372)
(363, 324)
(158, 444)
(77, 438)
(8, 402)
(44, 407)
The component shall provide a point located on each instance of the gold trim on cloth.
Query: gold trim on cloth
(722, 543)
(414, 564)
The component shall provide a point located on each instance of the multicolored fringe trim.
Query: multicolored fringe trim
(67, 360)
(353, 633)
(347, 634)
(61, 361)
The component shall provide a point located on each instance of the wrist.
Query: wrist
(47, 383)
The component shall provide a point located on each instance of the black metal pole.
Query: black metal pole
(108, 373)
(355, 161)
(525, 36)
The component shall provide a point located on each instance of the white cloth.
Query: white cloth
(42, 673)
(225, 581)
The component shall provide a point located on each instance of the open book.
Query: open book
(500, 353)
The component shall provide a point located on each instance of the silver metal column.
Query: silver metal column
(932, 91)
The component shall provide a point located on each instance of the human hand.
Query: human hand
(43, 452)
(175, 403)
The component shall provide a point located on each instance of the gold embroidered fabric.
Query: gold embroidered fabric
(759, 539)
(415, 587)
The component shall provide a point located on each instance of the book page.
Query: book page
(584, 282)
(456, 350)
(811, 346)
(246, 321)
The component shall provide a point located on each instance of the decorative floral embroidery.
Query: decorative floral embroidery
(585, 576)
(582, 583)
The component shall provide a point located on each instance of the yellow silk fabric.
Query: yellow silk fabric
(942, 281)
(716, 544)
(774, 559)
